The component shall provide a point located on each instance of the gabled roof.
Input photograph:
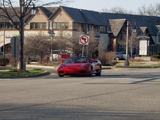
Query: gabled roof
(48, 11)
(141, 21)
(116, 25)
(97, 18)
(85, 16)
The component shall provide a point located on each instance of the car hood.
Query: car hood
(75, 64)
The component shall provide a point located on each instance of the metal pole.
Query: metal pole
(4, 39)
(51, 47)
(22, 61)
(82, 50)
(126, 61)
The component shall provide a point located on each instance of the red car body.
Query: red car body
(79, 66)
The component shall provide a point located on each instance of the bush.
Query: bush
(107, 58)
(4, 61)
(155, 56)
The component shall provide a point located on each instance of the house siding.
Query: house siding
(39, 17)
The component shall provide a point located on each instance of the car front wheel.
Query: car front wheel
(91, 72)
(60, 75)
(99, 72)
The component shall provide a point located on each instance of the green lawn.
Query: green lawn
(140, 64)
(16, 73)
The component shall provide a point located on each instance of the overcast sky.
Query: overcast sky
(98, 5)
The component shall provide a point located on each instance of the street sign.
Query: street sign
(84, 40)
(14, 46)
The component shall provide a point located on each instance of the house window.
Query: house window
(1, 25)
(60, 25)
(38, 25)
(103, 29)
(7, 25)
(158, 37)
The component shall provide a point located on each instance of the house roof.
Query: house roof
(116, 25)
(97, 18)
(48, 11)
(101, 18)
(85, 16)
(140, 21)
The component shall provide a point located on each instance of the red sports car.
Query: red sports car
(79, 66)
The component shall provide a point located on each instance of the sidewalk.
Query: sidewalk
(150, 63)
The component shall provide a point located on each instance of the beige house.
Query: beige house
(68, 21)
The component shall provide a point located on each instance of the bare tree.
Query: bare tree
(16, 16)
(151, 10)
(118, 10)
(132, 37)
(73, 45)
(37, 45)
(93, 43)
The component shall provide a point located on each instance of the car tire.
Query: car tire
(91, 72)
(61, 75)
(99, 72)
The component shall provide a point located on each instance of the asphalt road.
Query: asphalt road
(119, 94)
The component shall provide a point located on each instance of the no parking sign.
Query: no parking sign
(84, 40)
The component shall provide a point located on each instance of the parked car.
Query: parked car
(58, 54)
(33, 58)
(121, 55)
(79, 66)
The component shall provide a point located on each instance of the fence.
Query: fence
(154, 49)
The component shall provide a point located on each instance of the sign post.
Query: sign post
(14, 49)
(84, 40)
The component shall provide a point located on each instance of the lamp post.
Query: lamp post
(126, 60)
(133, 34)
(51, 33)
(4, 38)
(22, 15)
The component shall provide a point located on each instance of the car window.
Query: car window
(80, 60)
(69, 60)
(77, 60)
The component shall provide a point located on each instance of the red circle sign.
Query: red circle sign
(84, 40)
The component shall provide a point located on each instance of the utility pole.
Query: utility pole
(4, 35)
(22, 61)
(126, 60)
(22, 15)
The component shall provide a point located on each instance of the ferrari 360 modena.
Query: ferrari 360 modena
(83, 66)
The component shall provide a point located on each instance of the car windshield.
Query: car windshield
(76, 60)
